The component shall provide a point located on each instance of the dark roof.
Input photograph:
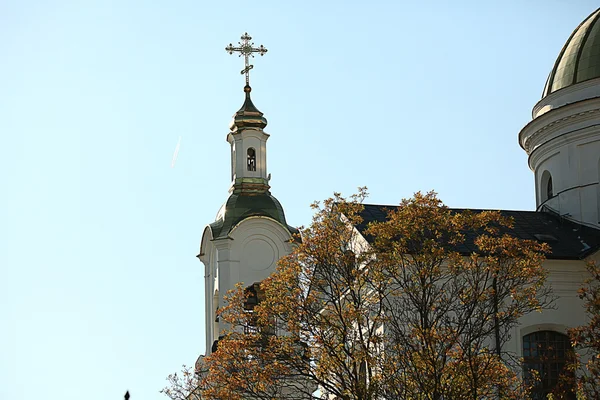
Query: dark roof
(241, 206)
(568, 240)
(579, 59)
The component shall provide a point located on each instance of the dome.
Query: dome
(579, 59)
(239, 207)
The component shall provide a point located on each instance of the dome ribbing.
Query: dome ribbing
(579, 59)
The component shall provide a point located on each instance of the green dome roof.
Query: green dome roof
(239, 207)
(579, 59)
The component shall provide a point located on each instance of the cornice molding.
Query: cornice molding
(552, 122)
(549, 100)
(557, 114)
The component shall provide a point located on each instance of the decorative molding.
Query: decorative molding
(548, 119)
(526, 330)
(559, 123)
(563, 92)
(261, 222)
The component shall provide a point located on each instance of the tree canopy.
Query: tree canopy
(405, 314)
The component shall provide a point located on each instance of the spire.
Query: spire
(248, 116)
(247, 138)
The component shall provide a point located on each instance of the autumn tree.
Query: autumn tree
(586, 339)
(457, 283)
(418, 311)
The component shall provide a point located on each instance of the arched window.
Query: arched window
(546, 352)
(254, 295)
(546, 187)
(251, 159)
(362, 373)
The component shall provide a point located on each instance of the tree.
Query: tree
(586, 339)
(409, 315)
(450, 309)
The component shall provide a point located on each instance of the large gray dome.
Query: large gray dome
(579, 59)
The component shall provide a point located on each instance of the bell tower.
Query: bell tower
(250, 233)
(248, 143)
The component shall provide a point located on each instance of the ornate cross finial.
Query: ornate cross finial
(245, 49)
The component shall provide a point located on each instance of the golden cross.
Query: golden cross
(245, 49)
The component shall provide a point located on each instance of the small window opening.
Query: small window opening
(251, 159)
(546, 188)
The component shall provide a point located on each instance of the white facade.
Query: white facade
(563, 144)
(248, 254)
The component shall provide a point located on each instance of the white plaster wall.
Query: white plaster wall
(566, 142)
(575, 176)
(565, 278)
(258, 243)
(243, 140)
(249, 255)
(208, 256)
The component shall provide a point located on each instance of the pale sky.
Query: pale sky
(100, 290)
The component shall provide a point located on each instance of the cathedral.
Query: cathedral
(562, 142)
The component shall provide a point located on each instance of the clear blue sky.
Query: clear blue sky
(100, 290)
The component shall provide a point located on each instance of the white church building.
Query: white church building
(562, 142)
